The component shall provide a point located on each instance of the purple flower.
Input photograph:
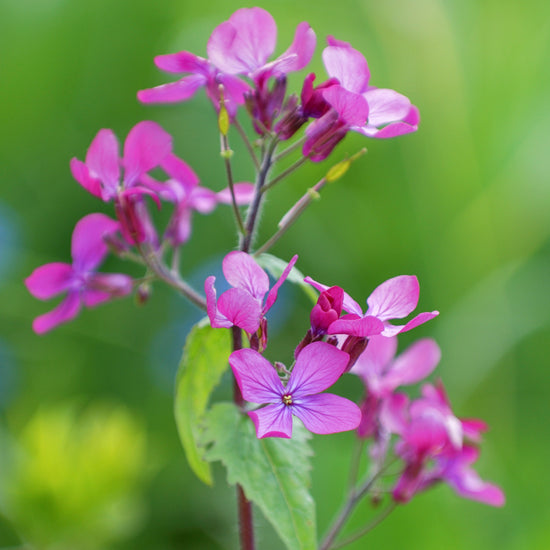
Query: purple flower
(393, 299)
(243, 305)
(83, 286)
(318, 367)
(390, 113)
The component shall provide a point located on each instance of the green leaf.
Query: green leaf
(273, 472)
(275, 267)
(202, 365)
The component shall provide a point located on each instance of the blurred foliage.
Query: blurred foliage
(463, 204)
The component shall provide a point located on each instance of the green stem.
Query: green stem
(289, 149)
(247, 143)
(226, 154)
(285, 173)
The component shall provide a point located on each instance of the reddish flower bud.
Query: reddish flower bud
(327, 309)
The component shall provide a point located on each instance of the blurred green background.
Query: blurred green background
(89, 456)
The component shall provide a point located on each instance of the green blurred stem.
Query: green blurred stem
(354, 497)
(226, 154)
(289, 149)
(247, 143)
(285, 173)
(369, 527)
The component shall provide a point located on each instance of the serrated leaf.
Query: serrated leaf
(275, 267)
(202, 365)
(273, 472)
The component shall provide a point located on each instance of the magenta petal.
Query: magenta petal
(378, 355)
(242, 271)
(352, 108)
(386, 106)
(327, 413)
(145, 148)
(392, 330)
(272, 296)
(349, 304)
(413, 365)
(88, 246)
(365, 327)
(82, 175)
(244, 192)
(393, 413)
(102, 158)
(203, 200)
(300, 52)
(217, 320)
(256, 376)
(244, 43)
(179, 170)
(173, 92)
(318, 367)
(347, 65)
(390, 131)
(234, 92)
(394, 298)
(68, 309)
(49, 280)
(182, 62)
(272, 421)
(242, 309)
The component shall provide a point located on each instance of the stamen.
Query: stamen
(287, 399)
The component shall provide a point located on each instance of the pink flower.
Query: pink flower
(146, 147)
(393, 299)
(244, 43)
(318, 367)
(390, 113)
(243, 305)
(83, 286)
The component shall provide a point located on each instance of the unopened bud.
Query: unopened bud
(143, 294)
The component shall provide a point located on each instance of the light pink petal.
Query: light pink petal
(473, 428)
(203, 200)
(394, 413)
(102, 287)
(49, 280)
(88, 247)
(365, 327)
(299, 53)
(179, 170)
(272, 421)
(374, 360)
(82, 175)
(242, 309)
(68, 309)
(179, 227)
(244, 43)
(349, 305)
(351, 107)
(256, 376)
(102, 158)
(217, 320)
(392, 330)
(394, 298)
(272, 296)
(391, 130)
(242, 271)
(413, 365)
(173, 92)
(327, 413)
(244, 192)
(182, 62)
(386, 106)
(318, 367)
(347, 65)
(145, 148)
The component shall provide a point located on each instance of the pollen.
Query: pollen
(287, 399)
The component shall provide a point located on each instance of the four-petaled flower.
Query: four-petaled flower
(318, 367)
(80, 281)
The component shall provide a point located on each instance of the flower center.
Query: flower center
(287, 399)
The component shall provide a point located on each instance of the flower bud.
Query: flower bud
(327, 309)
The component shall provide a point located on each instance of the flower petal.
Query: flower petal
(88, 247)
(68, 309)
(179, 170)
(102, 158)
(346, 64)
(242, 309)
(173, 92)
(327, 413)
(392, 330)
(349, 304)
(352, 108)
(182, 62)
(244, 192)
(377, 356)
(102, 287)
(386, 106)
(242, 271)
(49, 280)
(81, 173)
(318, 367)
(217, 320)
(364, 327)
(272, 295)
(394, 298)
(272, 421)
(145, 148)
(256, 376)
(299, 53)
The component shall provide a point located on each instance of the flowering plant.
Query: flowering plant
(262, 436)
